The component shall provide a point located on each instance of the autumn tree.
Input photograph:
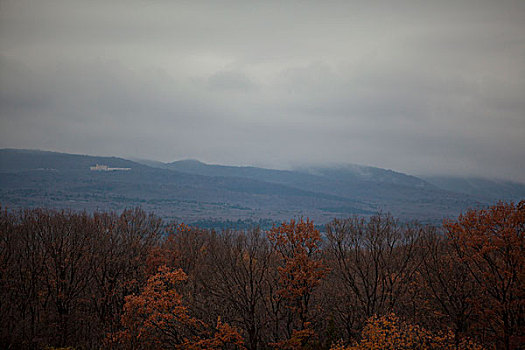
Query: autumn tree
(67, 243)
(64, 274)
(447, 290)
(185, 247)
(70, 278)
(237, 267)
(302, 269)
(158, 318)
(121, 245)
(22, 302)
(374, 262)
(389, 332)
(491, 245)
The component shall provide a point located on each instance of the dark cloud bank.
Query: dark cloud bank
(420, 87)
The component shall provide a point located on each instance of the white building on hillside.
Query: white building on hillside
(100, 167)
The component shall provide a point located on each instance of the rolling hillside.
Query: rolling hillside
(484, 189)
(192, 191)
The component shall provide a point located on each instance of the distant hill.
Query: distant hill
(484, 189)
(57, 180)
(359, 173)
(344, 173)
(15, 160)
(192, 191)
(406, 196)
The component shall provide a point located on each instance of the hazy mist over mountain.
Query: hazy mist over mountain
(214, 195)
(427, 88)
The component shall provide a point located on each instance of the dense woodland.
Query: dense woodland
(130, 281)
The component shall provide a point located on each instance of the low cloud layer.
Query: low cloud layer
(419, 87)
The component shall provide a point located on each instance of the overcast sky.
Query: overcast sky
(423, 87)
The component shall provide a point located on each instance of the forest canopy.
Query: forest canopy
(130, 281)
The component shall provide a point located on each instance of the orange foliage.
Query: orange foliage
(301, 272)
(70, 278)
(297, 341)
(224, 335)
(167, 253)
(389, 332)
(298, 245)
(157, 318)
(491, 244)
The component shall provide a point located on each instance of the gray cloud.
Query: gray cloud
(230, 80)
(420, 87)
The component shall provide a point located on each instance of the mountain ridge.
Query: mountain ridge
(192, 190)
(483, 188)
